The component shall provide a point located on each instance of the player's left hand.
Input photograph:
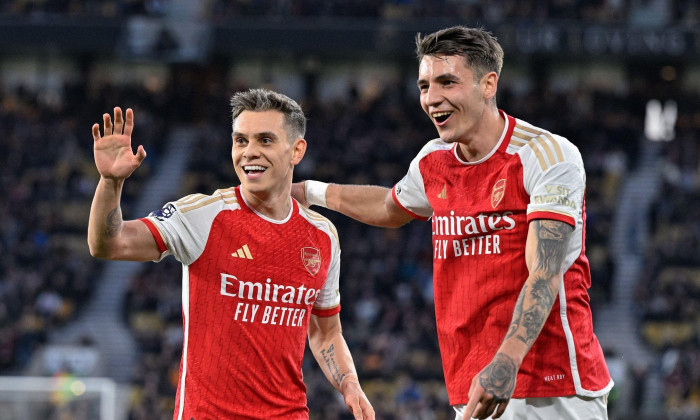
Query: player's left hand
(357, 401)
(491, 389)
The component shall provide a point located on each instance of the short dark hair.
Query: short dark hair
(260, 100)
(479, 48)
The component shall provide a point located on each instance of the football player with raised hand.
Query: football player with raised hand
(260, 272)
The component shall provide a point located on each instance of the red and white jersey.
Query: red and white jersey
(480, 213)
(249, 286)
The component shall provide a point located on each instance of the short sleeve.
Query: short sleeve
(555, 179)
(409, 193)
(328, 300)
(184, 225)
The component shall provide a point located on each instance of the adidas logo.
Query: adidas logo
(243, 252)
(443, 193)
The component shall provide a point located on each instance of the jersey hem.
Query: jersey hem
(156, 234)
(535, 394)
(396, 199)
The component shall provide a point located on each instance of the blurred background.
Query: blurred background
(82, 339)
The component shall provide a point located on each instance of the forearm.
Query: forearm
(530, 314)
(105, 223)
(368, 204)
(335, 360)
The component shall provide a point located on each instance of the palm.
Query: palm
(114, 157)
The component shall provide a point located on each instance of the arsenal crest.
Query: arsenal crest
(311, 258)
(499, 189)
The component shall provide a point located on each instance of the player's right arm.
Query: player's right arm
(109, 236)
(370, 204)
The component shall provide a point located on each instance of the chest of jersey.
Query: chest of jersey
(476, 208)
(261, 272)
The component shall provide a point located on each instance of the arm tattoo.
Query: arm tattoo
(329, 357)
(113, 222)
(552, 242)
(498, 378)
(537, 297)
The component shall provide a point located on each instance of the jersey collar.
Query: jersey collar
(292, 209)
(501, 145)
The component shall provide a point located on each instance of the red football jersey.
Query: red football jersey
(250, 284)
(480, 213)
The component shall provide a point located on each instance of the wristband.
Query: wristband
(316, 193)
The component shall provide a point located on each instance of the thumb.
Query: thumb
(141, 153)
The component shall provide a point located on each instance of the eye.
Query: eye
(422, 88)
(239, 141)
(265, 140)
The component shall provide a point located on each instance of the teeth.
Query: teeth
(254, 168)
(440, 114)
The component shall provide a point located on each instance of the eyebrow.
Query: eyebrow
(441, 78)
(262, 134)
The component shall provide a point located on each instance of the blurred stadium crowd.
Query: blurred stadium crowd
(658, 12)
(47, 177)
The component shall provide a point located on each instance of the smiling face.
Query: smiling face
(452, 98)
(263, 154)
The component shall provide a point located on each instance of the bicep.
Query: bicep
(136, 243)
(547, 244)
(397, 215)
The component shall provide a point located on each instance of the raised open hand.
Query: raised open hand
(114, 156)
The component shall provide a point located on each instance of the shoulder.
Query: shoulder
(220, 199)
(434, 145)
(541, 146)
(319, 222)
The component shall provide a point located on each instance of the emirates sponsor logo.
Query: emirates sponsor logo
(499, 189)
(311, 258)
(467, 225)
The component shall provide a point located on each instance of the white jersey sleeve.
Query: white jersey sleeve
(329, 296)
(554, 178)
(409, 193)
(184, 225)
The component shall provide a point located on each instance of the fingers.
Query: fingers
(474, 398)
(501, 409)
(96, 132)
(107, 123)
(368, 413)
(129, 127)
(118, 120)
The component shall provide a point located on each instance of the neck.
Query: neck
(275, 205)
(484, 137)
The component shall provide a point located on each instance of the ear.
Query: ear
(298, 150)
(489, 84)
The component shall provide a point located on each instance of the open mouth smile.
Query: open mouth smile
(254, 171)
(441, 117)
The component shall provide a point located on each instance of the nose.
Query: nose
(251, 150)
(432, 96)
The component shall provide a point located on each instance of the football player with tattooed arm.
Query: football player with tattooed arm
(260, 272)
(510, 275)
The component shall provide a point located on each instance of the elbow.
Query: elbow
(100, 251)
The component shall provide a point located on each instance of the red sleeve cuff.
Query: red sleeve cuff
(548, 215)
(326, 312)
(156, 234)
(396, 200)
